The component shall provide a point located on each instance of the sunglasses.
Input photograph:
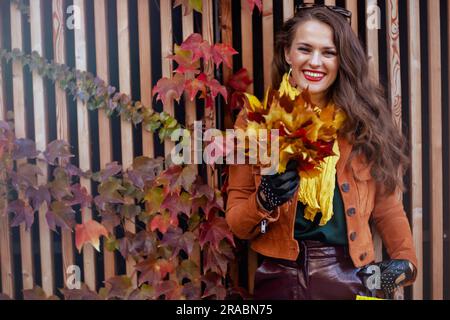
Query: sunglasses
(342, 11)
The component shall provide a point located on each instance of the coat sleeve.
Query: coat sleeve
(392, 224)
(242, 212)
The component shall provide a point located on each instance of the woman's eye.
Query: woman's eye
(303, 49)
(330, 53)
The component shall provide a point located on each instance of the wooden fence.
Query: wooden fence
(125, 42)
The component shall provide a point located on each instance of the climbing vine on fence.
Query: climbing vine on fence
(173, 209)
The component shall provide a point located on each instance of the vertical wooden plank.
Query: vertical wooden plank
(267, 28)
(352, 5)
(123, 38)
(435, 154)
(104, 123)
(3, 108)
(448, 59)
(288, 9)
(6, 259)
(21, 132)
(393, 60)
(145, 70)
(62, 121)
(372, 52)
(227, 38)
(41, 137)
(247, 41)
(394, 76)
(190, 107)
(210, 113)
(84, 140)
(247, 62)
(415, 123)
(166, 49)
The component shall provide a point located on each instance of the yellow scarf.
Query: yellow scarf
(316, 192)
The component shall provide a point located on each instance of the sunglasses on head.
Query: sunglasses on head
(342, 11)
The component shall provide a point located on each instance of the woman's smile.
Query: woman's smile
(314, 76)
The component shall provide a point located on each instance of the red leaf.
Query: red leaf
(89, 232)
(24, 148)
(214, 286)
(240, 80)
(178, 203)
(60, 214)
(237, 101)
(193, 86)
(120, 287)
(23, 213)
(38, 196)
(111, 169)
(217, 260)
(255, 116)
(170, 289)
(80, 196)
(223, 53)
(26, 176)
(58, 149)
(199, 47)
(80, 294)
(217, 88)
(169, 89)
(179, 240)
(162, 222)
(213, 231)
(177, 177)
(152, 271)
(185, 60)
(209, 102)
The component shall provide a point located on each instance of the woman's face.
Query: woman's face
(313, 58)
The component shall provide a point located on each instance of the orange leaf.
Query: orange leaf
(89, 232)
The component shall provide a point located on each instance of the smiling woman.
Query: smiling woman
(314, 231)
(313, 60)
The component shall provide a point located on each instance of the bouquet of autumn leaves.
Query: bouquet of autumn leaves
(307, 133)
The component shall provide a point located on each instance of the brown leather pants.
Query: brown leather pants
(322, 272)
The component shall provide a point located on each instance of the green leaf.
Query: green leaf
(111, 244)
(154, 198)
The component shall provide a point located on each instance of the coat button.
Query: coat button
(353, 236)
(345, 187)
(351, 211)
(363, 256)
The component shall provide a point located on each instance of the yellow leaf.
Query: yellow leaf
(253, 103)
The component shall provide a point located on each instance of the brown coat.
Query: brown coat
(363, 200)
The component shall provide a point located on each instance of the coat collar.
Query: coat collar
(345, 149)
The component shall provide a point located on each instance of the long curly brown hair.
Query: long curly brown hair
(370, 126)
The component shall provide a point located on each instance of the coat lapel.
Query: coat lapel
(344, 148)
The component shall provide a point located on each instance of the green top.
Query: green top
(334, 232)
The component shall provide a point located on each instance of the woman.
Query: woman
(309, 252)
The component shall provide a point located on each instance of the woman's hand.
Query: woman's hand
(276, 189)
(394, 273)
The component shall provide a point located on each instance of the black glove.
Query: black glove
(394, 273)
(276, 189)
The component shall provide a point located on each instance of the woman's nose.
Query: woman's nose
(316, 59)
